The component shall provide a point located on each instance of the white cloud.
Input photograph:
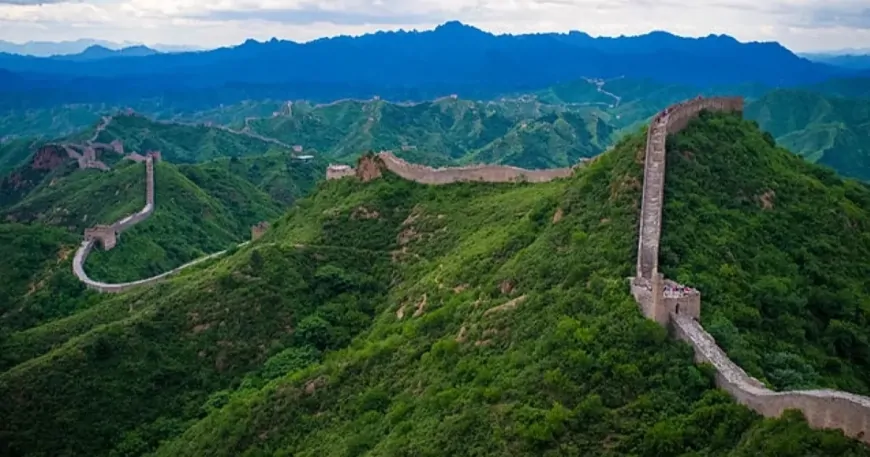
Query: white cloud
(799, 24)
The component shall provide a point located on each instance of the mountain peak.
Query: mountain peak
(458, 27)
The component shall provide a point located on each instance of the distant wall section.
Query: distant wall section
(366, 170)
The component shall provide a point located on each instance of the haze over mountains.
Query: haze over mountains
(58, 48)
(452, 58)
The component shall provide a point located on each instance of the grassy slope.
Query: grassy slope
(829, 130)
(229, 360)
(551, 141)
(83, 198)
(785, 287)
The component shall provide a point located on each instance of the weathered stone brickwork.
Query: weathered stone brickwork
(679, 307)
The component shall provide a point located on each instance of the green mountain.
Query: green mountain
(392, 318)
(779, 249)
(14, 152)
(628, 103)
(443, 132)
(179, 143)
(67, 119)
(828, 130)
(201, 208)
(37, 283)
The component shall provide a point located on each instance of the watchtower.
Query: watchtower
(105, 234)
(258, 230)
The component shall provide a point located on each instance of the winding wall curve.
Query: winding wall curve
(103, 233)
(830, 409)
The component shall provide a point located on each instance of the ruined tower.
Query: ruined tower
(258, 230)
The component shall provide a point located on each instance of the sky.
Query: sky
(800, 25)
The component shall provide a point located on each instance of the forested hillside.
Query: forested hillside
(825, 129)
(201, 208)
(778, 248)
(182, 143)
(392, 318)
(523, 133)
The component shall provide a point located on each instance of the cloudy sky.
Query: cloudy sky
(802, 25)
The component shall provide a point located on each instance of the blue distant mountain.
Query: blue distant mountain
(452, 58)
(97, 52)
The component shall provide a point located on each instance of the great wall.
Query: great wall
(675, 306)
(367, 170)
(679, 308)
(107, 236)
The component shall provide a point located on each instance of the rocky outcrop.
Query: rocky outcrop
(679, 307)
(48, 157)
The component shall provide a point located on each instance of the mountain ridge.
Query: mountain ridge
(452, 58)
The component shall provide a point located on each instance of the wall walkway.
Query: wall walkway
(678, 307)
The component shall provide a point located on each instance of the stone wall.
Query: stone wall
(671, 120)
(369, 168)
(107, 234)
(339, 171)
(826, 409)
(483, 173)
(85, 249)
(673, 305)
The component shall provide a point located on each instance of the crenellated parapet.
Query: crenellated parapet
(679, 307)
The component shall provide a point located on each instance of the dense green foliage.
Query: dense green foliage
(391, 318)
(778, 248)
(182, 143)
(201, 208)
(280, 175)
(81, 198)
(446, 131)
(829, 130)
(194, 216)
(15, 152)
(37, 283)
